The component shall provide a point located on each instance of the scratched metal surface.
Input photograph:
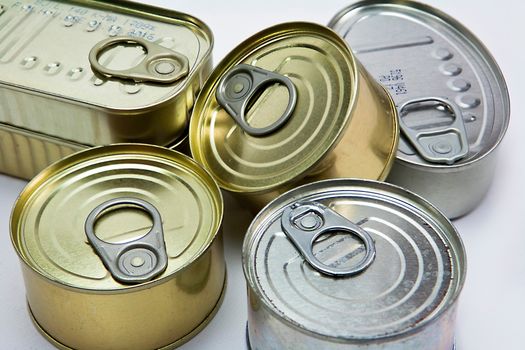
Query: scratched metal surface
(491, 310)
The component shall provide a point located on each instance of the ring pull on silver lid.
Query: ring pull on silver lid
(438, 144)
(161, 65)
(303, 223)
(241, 84)
(132, 262)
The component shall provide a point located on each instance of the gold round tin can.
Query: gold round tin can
(291, 104)
(121, 248)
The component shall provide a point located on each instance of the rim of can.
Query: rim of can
(473, 40)
(238, 55)
(91, 154)
(250, 243)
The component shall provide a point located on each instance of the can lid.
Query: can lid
(110, 217)
(149, 56)
(274, 107)
(451, 95)
(375, 261)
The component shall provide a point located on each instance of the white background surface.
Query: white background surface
(492, 306)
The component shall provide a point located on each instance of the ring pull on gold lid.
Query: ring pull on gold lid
(161, 65)
(242, 84)
(136, 261)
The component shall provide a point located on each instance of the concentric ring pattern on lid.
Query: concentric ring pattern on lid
(50, 215)
(324, 73)
(417, 273)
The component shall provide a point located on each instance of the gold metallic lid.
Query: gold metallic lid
(291, 90)
(50, 220)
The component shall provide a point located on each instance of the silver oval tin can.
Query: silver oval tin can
(451, 96)
(352, 264)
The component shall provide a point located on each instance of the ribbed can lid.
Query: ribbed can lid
(294, 85)
(162, 197)
(385, 262)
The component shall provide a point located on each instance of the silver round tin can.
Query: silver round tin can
(352, 264)
(451, 96)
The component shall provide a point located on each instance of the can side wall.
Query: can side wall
(454, 190)
(91, 126)
(266, 332)
(24, 154)
(147, 318)
(367, 149)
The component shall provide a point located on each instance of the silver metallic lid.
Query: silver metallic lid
(406, 273)
(452, 98)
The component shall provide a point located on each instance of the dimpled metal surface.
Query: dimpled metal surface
(416, 51)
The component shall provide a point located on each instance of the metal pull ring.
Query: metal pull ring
(303, 223)
(438, 144)
(238, 86)
(132, 262)
(161, 65)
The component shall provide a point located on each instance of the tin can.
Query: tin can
(291, 104)
(121, 248)
(452, 98)
(98, 73)
(352, 264)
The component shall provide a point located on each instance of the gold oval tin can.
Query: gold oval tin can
(121, 248)
(451, 96)
(96, 73)
(291, 104)
(352, 264)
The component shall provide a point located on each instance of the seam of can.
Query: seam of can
(234, 56)
(209, 317)
(248, 245)
(73, 160)
(471, 38)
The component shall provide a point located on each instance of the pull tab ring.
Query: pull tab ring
(136, 261)
(237, 87)
(303, 223)
(161, 65)
(437, 144)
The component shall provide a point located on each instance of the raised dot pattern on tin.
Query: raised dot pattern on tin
(53, 68)
(76, 73)
(29, 62)
(441, 67)
(414, 281)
